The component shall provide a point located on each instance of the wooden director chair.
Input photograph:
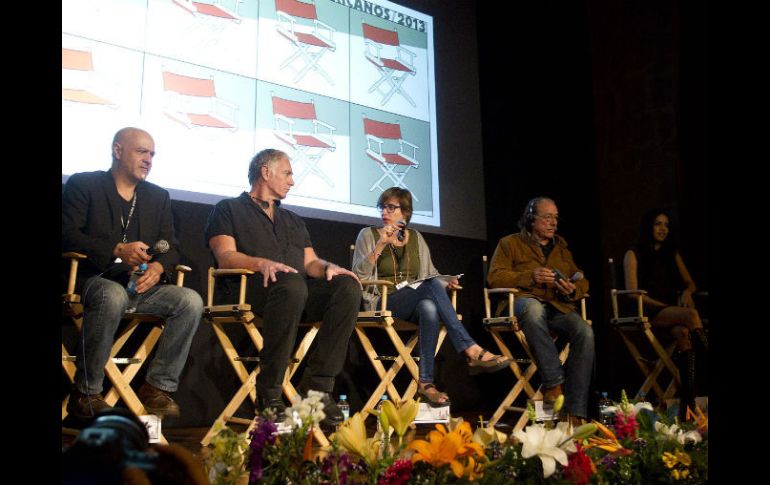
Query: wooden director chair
(629, 325)
(383, 319)
(240, 313)
(501, 324)
(120, 379)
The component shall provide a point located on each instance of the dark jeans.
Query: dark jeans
(537, 320)
(105, 303)
(428, 306)
(291, 299)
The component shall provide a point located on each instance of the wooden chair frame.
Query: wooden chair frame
(120, 379)
(497, 326)
(383, 319)
(240, 313)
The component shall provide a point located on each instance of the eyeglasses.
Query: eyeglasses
(390, 208)
(549, 217)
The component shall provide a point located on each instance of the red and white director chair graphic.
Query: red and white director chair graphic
(394, 69)
(78, 78)
(217, 9)
(309, 147)
(310, 42)
(394, 166)
(193, 101)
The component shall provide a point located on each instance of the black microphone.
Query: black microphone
(160, 247)
(401, 229)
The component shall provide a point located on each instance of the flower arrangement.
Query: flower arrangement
(640, 445)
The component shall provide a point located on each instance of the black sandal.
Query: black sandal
(433, 399)
(478, 366)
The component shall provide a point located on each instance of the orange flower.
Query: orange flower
(447, 448)
(610, 443)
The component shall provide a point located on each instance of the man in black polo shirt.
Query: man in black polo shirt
(252, 231)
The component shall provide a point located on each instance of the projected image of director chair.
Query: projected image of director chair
(193, 102)
(504, 322)
(79, 80)
(393, 70)
(223, 319)
(394, 165)
(217, 9)
(383, 319)
(292, 126)
(311, 38)
(72, 306)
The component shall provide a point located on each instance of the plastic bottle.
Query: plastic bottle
(133, 296)
(344, 406)
(383, 398)
(605, 416)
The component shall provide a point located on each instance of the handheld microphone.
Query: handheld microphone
(160, 247)
(558, 275)
(401, 229)
(577, 276)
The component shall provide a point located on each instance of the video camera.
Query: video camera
(113, 441)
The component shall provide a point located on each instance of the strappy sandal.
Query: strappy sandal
(477, 366)
(433, 396)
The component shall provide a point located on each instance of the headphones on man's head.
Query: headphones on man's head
(530, 211)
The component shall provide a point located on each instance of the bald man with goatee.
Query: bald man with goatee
(113, 217)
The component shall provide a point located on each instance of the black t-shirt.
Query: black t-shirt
(256, 235)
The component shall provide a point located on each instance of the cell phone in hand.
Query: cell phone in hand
(558, 275)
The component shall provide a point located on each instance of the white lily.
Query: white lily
(544, 443)
(630, 409)
(673, 432)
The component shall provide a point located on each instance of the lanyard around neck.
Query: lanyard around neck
(128, 219)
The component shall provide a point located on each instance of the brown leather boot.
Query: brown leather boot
(157, 401)
(85, 406)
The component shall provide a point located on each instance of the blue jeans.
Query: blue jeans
(537, 320)
(428, 306)
(105, 302)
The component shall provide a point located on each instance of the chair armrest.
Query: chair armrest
(74, 258)
(629, 292)
(181, 269)
(637, 293)
(377, 282)
(242, 272)
(492, 291)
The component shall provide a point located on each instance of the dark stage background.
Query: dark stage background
(600, 105)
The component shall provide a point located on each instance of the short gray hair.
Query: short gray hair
(269, 157)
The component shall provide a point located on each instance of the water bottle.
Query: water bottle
(383, 398)
(344, 406)
(605, 416)
(133, 296)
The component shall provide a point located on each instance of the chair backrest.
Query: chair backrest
(382, 36)
(381, 129)
(293, 109)
(296, 8)
(187, 85)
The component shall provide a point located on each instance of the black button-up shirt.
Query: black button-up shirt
(283, 240)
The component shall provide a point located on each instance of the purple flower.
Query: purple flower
(608, 461)
(263, 434)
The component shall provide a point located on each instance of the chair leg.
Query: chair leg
(686, 364)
